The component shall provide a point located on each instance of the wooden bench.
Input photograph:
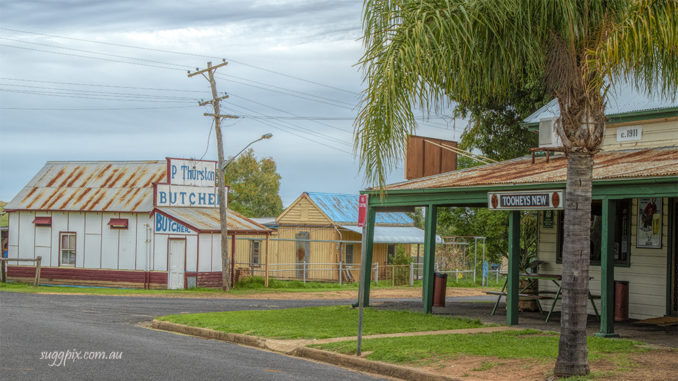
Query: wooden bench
(522, 296)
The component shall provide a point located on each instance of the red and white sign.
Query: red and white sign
(530, 200)
(362, 210)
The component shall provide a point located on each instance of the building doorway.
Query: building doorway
(302, 249)
(175, 268)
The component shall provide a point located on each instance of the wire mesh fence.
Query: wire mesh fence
(398, 275)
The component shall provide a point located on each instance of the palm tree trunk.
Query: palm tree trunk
(572, 353)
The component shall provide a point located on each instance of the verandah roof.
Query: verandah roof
(626, 164)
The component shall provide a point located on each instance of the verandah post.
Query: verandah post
(366, 255)
(429, 256)
(514, 268)
(607, 269)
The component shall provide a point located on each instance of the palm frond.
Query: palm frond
(641, 47)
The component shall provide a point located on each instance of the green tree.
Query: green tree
(425, 53)
(495, 126)
(254, 186)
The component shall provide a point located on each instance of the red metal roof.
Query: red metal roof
(610, 165)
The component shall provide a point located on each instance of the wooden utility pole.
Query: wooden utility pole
(221, 183)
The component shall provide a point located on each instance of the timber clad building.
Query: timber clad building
(634, 225)
(320, 229)
(123, 224)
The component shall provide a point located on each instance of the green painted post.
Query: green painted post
(366, 259)
(513, 268)
(429, 256)
(607, 270)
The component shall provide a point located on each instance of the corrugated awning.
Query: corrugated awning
(43, 221)
(394, 234)
(118, 223)
(208, 220)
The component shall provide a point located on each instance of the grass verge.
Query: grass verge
(319, 322)
(523, 344)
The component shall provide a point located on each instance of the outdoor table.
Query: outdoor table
(555, 278)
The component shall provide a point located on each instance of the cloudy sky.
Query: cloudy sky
(106, 80)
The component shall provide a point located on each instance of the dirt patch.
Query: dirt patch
(654, 365)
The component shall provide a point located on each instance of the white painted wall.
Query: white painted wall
(92, 246)
(646, 274)
(97, 245)
(205, 247)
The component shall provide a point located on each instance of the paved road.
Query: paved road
(32, 324)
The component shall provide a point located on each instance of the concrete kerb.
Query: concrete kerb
(299, 350)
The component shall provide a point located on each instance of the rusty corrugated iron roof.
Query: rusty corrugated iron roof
(626, 164)
(207, 219)
(119, 186)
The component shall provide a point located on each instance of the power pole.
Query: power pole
(221, 182)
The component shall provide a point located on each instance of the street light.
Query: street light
(264, 136)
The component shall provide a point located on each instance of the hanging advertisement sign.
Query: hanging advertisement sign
(187, 196)
(201, 173)
(529, 200)
(649, 233)
(362, 210)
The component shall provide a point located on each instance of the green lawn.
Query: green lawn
(526, 344)
(319, 322)
(247, 286)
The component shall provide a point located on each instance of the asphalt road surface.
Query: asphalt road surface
(59, 337)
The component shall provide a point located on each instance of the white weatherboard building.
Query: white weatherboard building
(151, 224)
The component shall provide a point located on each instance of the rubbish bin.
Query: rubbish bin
(439, 288)
(621, 300)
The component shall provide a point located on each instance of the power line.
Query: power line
(287, 90)
(268, 87)
(100, 85)
(265, 122)
(186, 54)
(301, 129)
(85, 96)
(103, 93)
(90, 57)
(93, 109)
(283, 111)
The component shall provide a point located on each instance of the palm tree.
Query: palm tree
(426, 53)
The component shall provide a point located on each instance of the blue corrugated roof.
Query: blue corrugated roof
(621, 99)
(343, 208)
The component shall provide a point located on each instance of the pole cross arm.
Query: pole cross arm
(211, 101)
(209, 68)
(222, 116)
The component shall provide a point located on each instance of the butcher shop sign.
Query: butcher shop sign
(530, 200)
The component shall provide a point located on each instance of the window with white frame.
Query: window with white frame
(255, 252)
(67, 249)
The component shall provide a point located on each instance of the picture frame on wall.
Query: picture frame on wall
(649, 223)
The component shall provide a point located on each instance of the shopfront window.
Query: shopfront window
(622, 233)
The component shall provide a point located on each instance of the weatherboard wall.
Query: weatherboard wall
(655, 133)
(646, 274)
(103, 255)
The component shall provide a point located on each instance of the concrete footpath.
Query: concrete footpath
(299, 348)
